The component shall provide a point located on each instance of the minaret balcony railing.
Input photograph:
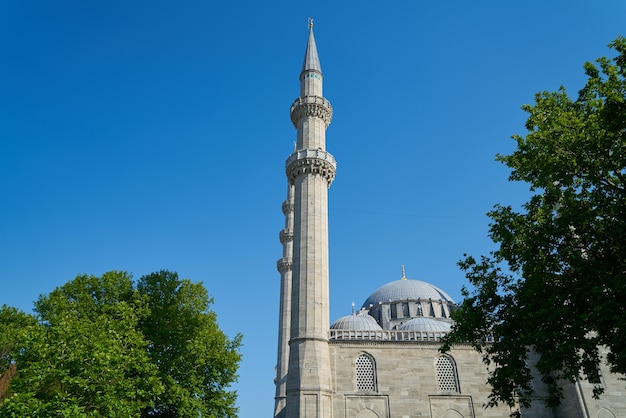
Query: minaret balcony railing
(311, 161)
(311, 106)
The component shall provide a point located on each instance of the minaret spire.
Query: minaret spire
(311, 58)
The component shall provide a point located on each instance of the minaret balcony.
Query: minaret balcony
(284, 265)
(285, 235)
(311, 161)
(311, 106)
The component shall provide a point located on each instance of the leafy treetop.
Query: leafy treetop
(555, 286)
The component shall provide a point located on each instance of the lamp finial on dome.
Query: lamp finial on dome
(352, 308)
(403, 276)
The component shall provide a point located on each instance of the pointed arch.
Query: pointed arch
(365, 373)
(447, 376)
(605, 413)
(367, 413)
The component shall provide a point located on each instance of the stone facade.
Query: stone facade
(407, 383)
(578, 401)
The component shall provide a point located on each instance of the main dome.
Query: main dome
(405, 289)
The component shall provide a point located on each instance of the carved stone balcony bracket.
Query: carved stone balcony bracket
(284, 264)
(310, 161)
(311, 106)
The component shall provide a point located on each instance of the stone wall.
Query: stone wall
(407, 384)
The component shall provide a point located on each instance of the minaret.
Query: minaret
(310, 171)
(284, 265)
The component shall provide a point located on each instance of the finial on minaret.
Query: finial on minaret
(403, 276)
(310, 23)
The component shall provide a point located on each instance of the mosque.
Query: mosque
(383, 360)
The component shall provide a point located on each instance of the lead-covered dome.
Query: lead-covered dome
(357, 322)
(405, 289)
(397, 302)
(424, 324)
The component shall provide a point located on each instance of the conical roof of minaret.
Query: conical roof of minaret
(311, 59)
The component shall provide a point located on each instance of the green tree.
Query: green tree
(88, 351)
(556, 284)
(12, 322)
(197, 361)
(85, 356)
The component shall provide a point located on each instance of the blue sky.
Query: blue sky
(152, 135)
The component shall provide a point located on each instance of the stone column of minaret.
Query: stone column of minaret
(284, 316)
(310, 170)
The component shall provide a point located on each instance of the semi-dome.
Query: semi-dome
(405, 289)
(357, 322)
(424, 324)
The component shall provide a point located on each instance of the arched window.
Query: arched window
(405, 309)
(365, 373)
(447, 377)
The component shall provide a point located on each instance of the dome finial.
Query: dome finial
(352, 308)
(403, 276)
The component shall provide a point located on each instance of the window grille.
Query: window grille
(446, 374)
(596, 380)
(365, 374)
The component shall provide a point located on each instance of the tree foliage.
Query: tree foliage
(556, 284)
(103, 347)
(197, 362)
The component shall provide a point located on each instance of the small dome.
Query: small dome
(424, 324)
(405, 289)
(357, 322)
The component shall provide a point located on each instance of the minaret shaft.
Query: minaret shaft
(310, 258)
(311, 84)
(309, 380)
(311, 134)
